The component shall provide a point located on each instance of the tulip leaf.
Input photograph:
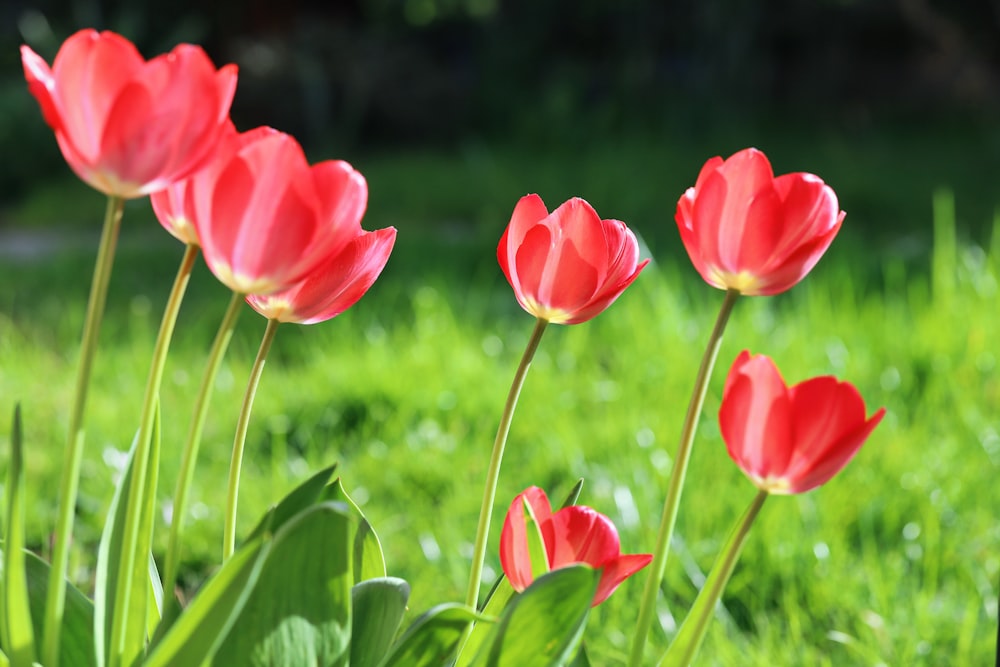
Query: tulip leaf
(573, 495)
(536, 543)
(581, 659)
(299, 609)
(196, 633)
(369, 562)
(431, 640)
(154, 610)
(543, 626)
(377, 607)
(109, 577)
(76, 641)
(301, 497)
(16, 632)
(496, 601)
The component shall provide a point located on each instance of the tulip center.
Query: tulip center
(778, 486)
(743, 282)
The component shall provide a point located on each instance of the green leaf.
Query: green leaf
(536, 544)
(106, 571)
(301, 497)
(109, 577)
(501, 594)
(369, 561)
(194, 636)
(432, 639)
(581, 659)
(299, 611)
(377, 607)
(16, 632)
(76, 641)
(155, 598)
(574, 494)
(543, 626)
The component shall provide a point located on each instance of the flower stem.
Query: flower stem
(688, 640)
(69, 487)
(493, 472)
(190, 453)
(232, 495)
(676, 484)
(139, 497)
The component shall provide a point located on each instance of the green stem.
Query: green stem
(69, 487)
(232, 495)
(676, 485)
(139, 496)
(493, 473)
(688, 640)
(190, 453)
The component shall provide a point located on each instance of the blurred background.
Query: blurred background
(454, 109)
(616, 101)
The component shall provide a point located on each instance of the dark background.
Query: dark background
(350, 78)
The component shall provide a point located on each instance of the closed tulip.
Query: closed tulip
(790, 439)
(569, 265)
(748, 231)
(127, 126)
(265, 218)
(573, 535)
(333, 286)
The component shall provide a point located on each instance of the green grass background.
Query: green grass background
(894, 562)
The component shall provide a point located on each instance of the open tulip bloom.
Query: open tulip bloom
(569, 265)
(790, 439)
(572, 535)
(265, 217)
(748, 231)
(333, 286)
(126, 126)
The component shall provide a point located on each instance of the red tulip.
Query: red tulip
(265, 218)
(334, 286)
(572, 535)
(748, 231)
(568, 266)
(790, 439)
(126, 126)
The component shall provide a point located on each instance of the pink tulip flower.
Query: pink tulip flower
(568, 266)
(790, 439)
(334, 286)
(573, 535)
(264, 217)
(126, 126)
(748, 231)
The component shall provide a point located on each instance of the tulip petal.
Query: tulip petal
(514, 556)
(838, 455)
(754, 417)
(616, 571)
(334, 286)
(582, 535)
(529, 211)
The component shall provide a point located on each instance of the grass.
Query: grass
(896, 561)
